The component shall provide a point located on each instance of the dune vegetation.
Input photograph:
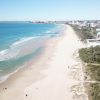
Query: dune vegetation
(91, 56)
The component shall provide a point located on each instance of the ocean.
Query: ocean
(22, 41)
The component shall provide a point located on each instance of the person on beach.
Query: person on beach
(26, 95)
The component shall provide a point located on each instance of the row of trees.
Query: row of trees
(85, 32)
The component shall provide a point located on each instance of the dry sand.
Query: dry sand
(56, 75)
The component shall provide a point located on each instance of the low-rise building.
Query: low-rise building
(93, 42)
(98, 35)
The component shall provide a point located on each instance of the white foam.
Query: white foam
(3, 52)
(14, 49)
(21, 41)
(48, 32)
(4, 78)
(10, 53)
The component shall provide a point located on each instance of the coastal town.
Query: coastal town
(92, 25)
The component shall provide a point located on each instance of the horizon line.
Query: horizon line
(48, 20)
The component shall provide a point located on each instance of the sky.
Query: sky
(23, 10)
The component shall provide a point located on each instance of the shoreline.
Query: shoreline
(42, 44)
(47, 41)
(31, 62)
(50, 77)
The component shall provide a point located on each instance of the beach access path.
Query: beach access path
(59, 77)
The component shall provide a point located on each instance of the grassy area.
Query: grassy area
(93, 71)
(94, 91)
(91, 56)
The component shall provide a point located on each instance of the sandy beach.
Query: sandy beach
(56, 75)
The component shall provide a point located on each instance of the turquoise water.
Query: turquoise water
(10, 32)
(22, 41)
